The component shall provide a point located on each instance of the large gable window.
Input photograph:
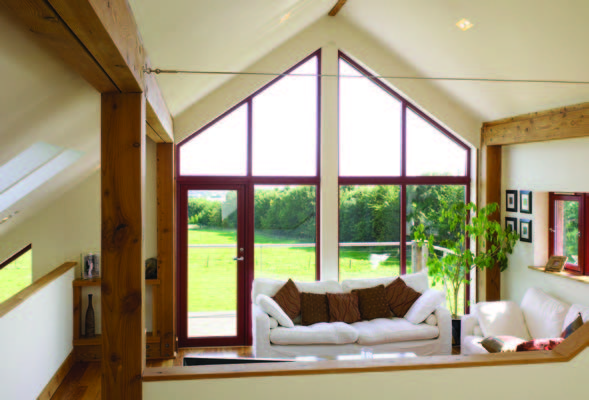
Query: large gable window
(398, 169)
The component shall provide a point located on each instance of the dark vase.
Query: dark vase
(90, 323)
(456, 329)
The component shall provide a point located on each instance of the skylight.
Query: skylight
(32, 168)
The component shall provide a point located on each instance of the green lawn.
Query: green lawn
(212, 275)
(16, 276)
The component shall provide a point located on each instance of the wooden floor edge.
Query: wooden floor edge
(52, 386)
(348, 367)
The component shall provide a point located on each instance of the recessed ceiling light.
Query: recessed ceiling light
(464, 24)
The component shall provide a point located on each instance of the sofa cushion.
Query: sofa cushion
(544, 315)
(270, 287)
(272, 308)
(472, 345)
(501, 318)
(425, 305)
(501, 344)
(573, 326)
(539, 344)
(314, 308)
(384, 330)
(321, 333)
(418, 281)
(400, 297)
(431, 320)
(573, 312)
(343, 307)
(373, 303)
(288, 298)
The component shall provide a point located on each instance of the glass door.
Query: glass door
(211, 277)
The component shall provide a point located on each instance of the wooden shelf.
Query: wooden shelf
(566, 275)
(97, 340)
(97, 282)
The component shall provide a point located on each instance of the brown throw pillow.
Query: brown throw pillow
(400, 297)
(501, 344)
(289, 299)
(314, 308)
(372, 303)
(343, 307)
(573, 326)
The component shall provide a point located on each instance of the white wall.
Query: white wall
(542, 167)
(35, 339)
(540, 381)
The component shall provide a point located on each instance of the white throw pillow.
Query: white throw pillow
(501, 318)
(272, 308)
(574, 311)
(477, 331)
(544, 315)
(418, 281)
(424, 306)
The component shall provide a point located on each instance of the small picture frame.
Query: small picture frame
(90, 266)
(555, 264)
(525, 230)
(525, 201)
(511, 223)
(511, 200)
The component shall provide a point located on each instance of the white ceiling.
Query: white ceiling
(516, 39)
(215, 35)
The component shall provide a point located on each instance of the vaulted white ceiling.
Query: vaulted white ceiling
(514, 39)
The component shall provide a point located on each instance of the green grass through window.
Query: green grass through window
(16, 276)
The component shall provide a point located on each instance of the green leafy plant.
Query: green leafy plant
(467, 226)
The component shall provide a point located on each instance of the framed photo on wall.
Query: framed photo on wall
(525, 201)
(511, 200)
(525, 230)
(511, 223)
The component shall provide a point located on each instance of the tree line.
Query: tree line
(367, 213)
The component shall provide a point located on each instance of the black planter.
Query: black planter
(456, 329)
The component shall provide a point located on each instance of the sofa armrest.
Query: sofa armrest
(467, 325)
(260, 331)
(444, 318)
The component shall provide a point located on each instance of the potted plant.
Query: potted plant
(467, 226)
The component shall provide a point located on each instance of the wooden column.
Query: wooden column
(166, 232)
(492, 166)
(123, 276)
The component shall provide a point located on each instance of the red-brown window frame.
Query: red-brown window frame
(249, 181)
(404, 180)
(583, 199)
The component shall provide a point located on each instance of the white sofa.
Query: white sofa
(381, 335)
(539, 316)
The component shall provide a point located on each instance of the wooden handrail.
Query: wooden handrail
(14, 301)
(572, 346)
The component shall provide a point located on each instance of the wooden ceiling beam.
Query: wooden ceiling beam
(338, 6)
(554, 124)
(99, 40)
(50, 30)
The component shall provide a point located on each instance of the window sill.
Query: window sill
(567, 275)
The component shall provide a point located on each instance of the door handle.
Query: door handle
(238, 258)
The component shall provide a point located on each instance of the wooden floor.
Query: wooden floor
(83, 381)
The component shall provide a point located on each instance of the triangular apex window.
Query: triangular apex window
(280, 120)
(372, 122)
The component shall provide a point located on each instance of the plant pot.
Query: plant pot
(456, 329)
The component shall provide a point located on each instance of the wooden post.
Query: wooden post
(123, 272)
(492, 160)
(166, 234)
